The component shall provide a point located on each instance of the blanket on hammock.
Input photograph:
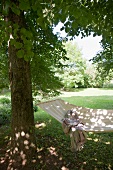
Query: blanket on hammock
(71, 125)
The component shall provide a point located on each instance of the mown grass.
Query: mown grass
(95, 102)
(54, 147)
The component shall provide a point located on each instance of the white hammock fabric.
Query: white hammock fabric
(95, 120)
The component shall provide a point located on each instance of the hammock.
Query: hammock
(95, 120)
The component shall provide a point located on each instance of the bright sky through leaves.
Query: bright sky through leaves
(89, 46)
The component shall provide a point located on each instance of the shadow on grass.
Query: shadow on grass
(55, 151)
(74, 89)
(87, 89)
(53, 148)
(106, 88)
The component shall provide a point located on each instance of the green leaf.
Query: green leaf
(20, 53)
(40, 21)
(26, 57)
(32, 54)
(24, 5)
(29, 34)
(12, 41)
(18, 45)
(34, 7)
(23, 31)
(15, 9)
(6, 7)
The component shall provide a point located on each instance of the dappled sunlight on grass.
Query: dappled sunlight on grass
(11, 152)
(40, 125)
(53, 146)
(52, 151)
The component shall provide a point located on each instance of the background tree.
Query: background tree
(73, 72)
(105, 58)
(77, 72)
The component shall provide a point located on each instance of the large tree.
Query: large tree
(29, 46)
(23, 144)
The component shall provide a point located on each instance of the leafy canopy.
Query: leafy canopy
(37, 43)
(40, 46)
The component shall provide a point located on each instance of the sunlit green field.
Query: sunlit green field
(97, 102)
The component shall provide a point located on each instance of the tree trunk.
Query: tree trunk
(23, 144)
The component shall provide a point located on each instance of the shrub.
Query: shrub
(5, 101)
(35, 108)
(5, 111)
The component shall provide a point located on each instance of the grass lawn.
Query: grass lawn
(95, 102)
(54, 147)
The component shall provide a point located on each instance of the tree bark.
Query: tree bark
(23, 143)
